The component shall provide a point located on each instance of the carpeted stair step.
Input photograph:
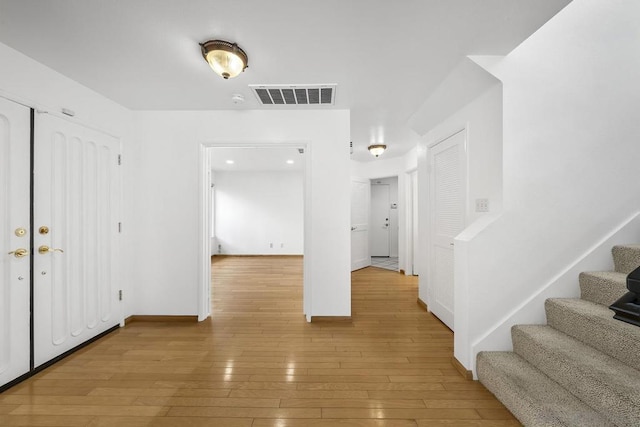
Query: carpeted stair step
(602, 287)
(594, 325)
(600, 381)
(531, 396)
(626, 258)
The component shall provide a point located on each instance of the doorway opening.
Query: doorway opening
(254, 210)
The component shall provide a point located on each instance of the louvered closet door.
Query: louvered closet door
(14, 240)
(75, 220)
(447, 189)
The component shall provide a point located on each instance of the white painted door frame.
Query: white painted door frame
(205, 214)
(411, 215)
(440, 264)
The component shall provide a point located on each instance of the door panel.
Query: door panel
(75, 184)
(380, 215)
(360, 194)
(15, 167)
(447, 160)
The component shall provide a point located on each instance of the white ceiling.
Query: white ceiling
(385, 56)
(256, 159)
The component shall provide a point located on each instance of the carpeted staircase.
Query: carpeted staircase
(583, 367)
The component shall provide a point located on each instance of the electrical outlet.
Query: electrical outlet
(482, 205)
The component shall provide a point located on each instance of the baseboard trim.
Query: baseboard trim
(329, 319)
(422, 304)
(152, 318)
(257, 255)
(466, 374)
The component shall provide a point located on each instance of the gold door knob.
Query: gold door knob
(44, 249)
(19, 253)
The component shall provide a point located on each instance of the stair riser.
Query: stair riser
(626, 258)
(600, 290)
(620, 405)
(606, 335)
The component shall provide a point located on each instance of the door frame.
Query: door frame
(411, 221)
(205, 214)
(441, 137)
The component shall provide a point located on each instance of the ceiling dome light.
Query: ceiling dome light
(377, 149)
(225, 58)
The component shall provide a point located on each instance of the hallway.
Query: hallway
(259, 363)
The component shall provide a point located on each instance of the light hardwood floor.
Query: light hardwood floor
(259, 363)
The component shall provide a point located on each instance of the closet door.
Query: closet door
(15, 166)
(75, 227)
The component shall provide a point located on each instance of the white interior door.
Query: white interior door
(76, 195)
(446, 197)
(15, 171)
(380, 215)
(360, 195)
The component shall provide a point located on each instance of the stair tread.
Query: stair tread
(614, 276)
(534, 398)
(594, 325)
(601, 381)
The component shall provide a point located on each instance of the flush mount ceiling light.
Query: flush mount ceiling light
(377, 149)
(225, 58)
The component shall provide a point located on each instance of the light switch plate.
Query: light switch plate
(482, 205)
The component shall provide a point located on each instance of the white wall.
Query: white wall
(482, 119)
(570, 164)
(166, 228)
(259, 213)
(33, 84)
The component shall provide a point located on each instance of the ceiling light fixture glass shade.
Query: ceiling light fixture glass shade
(377, 149)
(225, 58)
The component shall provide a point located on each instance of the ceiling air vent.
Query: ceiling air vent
(320, 94)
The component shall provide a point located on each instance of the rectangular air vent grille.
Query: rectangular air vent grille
(295, 94)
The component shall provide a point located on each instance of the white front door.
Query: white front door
(446, 201)
(76, 195)
(15, 171)
(380, 210)
(360, 194)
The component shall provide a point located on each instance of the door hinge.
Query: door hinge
(120, 295)
(119, 227)
(119, 159)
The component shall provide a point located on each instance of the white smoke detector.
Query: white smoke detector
(237, 98)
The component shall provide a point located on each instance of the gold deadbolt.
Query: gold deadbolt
(43, 230)
(19, 253)
(44, 249)
(21, 231)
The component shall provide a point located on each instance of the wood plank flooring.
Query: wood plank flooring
(259, 363)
